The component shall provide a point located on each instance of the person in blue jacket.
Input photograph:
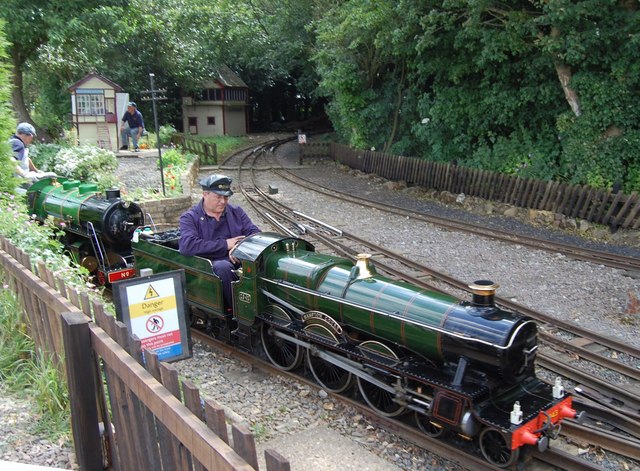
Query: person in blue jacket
(136, 127)
(213, 227)
(20, 142)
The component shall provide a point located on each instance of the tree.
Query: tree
(547, 89)
(363, 71)
(31, 25)
(7, 123)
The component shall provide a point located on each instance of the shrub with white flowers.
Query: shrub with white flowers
(86, 163)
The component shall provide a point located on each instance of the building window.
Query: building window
(210, 94)
(211, 120)
(90, 102)
(235, 94)
(221, 94)
(193, 120)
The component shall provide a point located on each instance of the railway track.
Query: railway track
(287, 217)
(579, 253)
(452, 452)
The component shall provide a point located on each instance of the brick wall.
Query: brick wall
(166, 212)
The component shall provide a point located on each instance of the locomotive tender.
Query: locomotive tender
(97, 227)
(466, 367)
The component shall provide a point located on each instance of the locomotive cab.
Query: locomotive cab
(247, 300)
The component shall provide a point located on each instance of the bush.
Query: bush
(44, 156)
(172, 183)
(166, 133)
(173, 158)
(84, 163)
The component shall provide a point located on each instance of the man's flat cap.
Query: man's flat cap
(220, 184)
(132, 103)
(26, 129)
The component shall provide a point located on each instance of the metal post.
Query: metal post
(153, 99)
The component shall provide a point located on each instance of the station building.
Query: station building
(97, 105)
(219, 108)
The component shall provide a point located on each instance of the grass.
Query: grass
(29, 374)
(226, 144)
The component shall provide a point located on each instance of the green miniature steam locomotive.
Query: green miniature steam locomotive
(461, 366)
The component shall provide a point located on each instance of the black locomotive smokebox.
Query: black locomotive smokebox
(112, 193)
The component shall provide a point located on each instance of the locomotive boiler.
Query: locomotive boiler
(97, 227)
(461, 366)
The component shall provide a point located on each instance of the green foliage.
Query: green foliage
(172, 182)
(44, 156)
(86, 163)
(24, 371)
(15, 345)
(174, 163)
(173, 158)
(166, 133)
(7, 122)
(49, 389)
(38, 241)
(225, 144)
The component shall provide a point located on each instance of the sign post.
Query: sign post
(154, 308)
(153, 97)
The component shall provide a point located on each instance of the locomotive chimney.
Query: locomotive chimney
(483, 293)
(365, 270)
(112, 193)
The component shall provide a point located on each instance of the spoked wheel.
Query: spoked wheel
(90, 263)
(379, 399)
(282, 353)
(428, 427)
(331, 377)
(495, 448)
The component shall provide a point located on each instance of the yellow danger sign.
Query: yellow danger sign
(147, 308)
(151, 293)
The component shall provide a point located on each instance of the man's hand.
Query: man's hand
(231, 243)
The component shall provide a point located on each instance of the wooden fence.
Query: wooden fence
(208, 153)
(144, 423)
(580, 201)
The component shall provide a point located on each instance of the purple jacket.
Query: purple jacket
(204, 236)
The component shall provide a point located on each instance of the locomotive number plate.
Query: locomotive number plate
(121, 274)
(244, 297)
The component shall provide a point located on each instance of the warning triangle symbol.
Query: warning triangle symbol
(151, 293)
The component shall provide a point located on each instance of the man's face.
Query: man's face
(27, 138)
(215, 202)
(131, 109)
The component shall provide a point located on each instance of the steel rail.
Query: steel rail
(596, 256)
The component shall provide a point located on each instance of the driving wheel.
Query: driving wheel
(379, 399)
(331, 377)
(283, 353)
(429, 427)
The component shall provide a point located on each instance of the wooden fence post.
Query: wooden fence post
(82, 390)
